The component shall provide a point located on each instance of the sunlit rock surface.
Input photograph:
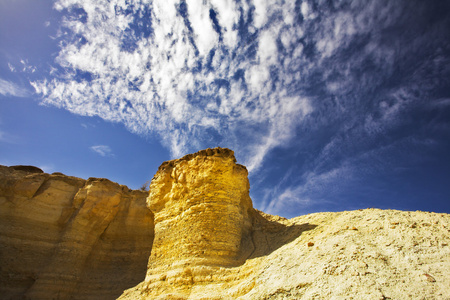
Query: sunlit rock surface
(66, 238)
(202, 221)
(63, 237)
(211, 244)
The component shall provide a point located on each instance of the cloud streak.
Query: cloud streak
(8, 88)
(102, 150)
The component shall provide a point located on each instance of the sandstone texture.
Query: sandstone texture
(63, 237)
(197, 236)
(211, 244)
(202, 213)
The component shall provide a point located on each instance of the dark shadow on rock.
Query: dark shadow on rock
(272, 232)
(29, 169)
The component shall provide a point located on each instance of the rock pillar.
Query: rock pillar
(201, 206)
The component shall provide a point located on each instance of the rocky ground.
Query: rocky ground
(366, 254)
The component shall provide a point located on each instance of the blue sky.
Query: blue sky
(331, 105)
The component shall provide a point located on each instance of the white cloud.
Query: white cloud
(261, 11)
(205, 36)
(170, 95)
(8, 88)
(267, 50)
(286, 114)
(304, 7)
(257, 76)
(313, 189)
(290, 197)
(252, 95)
(27, 67)
(102, 150)
(228, 16)
(441, 102)
(11, 68)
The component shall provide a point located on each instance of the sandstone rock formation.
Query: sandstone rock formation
(202, 221)
(211, 244)
(66, 238)
(63, 237)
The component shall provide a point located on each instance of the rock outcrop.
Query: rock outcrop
(63, 237)
(202, 221)
(211, 244)
(67, 238)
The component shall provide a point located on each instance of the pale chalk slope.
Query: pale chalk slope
(365, 254)
(368, 254)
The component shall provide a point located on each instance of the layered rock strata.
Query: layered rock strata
(66, 238)
(203, 220)
(63, 237)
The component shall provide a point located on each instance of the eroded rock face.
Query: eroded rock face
(66, 238)
(63, 237)
(202, 218)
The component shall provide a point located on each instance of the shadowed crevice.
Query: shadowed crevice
(269, 234)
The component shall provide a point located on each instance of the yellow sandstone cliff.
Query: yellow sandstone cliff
(67, 238)
(64, 237)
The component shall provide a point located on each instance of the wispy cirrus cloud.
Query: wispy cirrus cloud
(184, 71)
(8, 137)
(312, 188)
(102, 150)
(335, 80)
(332, 180)
(8, 88)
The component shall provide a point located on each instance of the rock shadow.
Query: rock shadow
(272, 232)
